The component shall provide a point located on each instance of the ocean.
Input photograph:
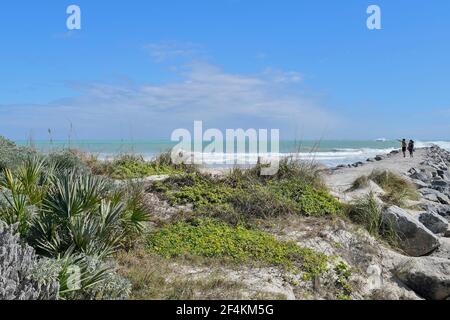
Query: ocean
(328, 152)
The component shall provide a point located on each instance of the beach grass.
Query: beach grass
(367, 212)
(397, 189)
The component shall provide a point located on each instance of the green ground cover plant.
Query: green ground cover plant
(133, 167)
(244, 193)
(216, 239)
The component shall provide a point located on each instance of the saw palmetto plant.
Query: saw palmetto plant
(75, 219)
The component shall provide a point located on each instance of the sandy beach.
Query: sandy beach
(339, 180)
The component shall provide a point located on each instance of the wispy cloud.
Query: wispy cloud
(204, 92)
(162, 51)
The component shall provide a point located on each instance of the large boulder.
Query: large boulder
(434, 222)
(427, 276)
(415, 239)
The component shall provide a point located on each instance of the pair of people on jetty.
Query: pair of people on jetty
(407, 146)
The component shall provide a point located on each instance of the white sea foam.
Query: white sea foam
(330, 158)
(443, 144)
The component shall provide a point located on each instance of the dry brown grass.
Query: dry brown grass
(156, 278)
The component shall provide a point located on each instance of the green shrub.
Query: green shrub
(135, 216)
(75, 221)
(343, 285)
(133, 166)
(239, 193)
(213, 239)
(259, 201)
(16, 210)
(71, 211)
(77, 215)
(11, 155)
(194, 188)
(308, 200)
(66, 160)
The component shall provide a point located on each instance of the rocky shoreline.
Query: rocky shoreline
(423, 230)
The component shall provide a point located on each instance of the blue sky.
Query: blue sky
(140, 69)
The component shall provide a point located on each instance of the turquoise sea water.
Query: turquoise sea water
(328, 152)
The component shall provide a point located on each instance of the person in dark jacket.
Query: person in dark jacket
(411, 148)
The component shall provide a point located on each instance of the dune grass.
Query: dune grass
(367, 212)
(360, 183)
(397, 189)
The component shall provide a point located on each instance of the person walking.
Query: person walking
(411, 148)
(404, 147)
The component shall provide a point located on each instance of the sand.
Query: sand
(340, 180)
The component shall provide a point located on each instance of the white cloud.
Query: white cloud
(205, 92)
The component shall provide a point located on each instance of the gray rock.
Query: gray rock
(431, 197)
(441, 173)
(422, 176)
(379, 158)
(415, 239)
(434, 222)
(443, 251)
(434, 194)
(441, 209)
(439, 182)
(427, 276)
(419, 184)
